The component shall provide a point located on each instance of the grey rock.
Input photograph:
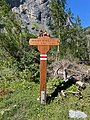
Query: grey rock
(77, 114)
(31, 11)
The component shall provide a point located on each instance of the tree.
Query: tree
(10, 31)
(68, 27)
(13, 39)
(58, 16)
(58, 19)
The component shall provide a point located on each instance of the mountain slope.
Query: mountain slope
(33, 13)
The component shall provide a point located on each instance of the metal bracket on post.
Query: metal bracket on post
(42, 97)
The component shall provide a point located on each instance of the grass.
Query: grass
(19, 103)
(22, 104)
(19, 100)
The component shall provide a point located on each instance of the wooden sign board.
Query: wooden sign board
(44, 41)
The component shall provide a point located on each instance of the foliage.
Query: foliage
(58, 16)
(16, 42)
(73, 42)
(10, 29)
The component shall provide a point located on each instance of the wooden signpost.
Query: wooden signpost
(43, 42)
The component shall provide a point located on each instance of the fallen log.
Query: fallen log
(72, 92)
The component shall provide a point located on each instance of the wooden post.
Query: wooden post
(43, 72)
(43, 43)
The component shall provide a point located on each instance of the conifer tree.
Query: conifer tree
(68, 27)
(13, 39)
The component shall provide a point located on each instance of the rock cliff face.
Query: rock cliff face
(35, 14)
